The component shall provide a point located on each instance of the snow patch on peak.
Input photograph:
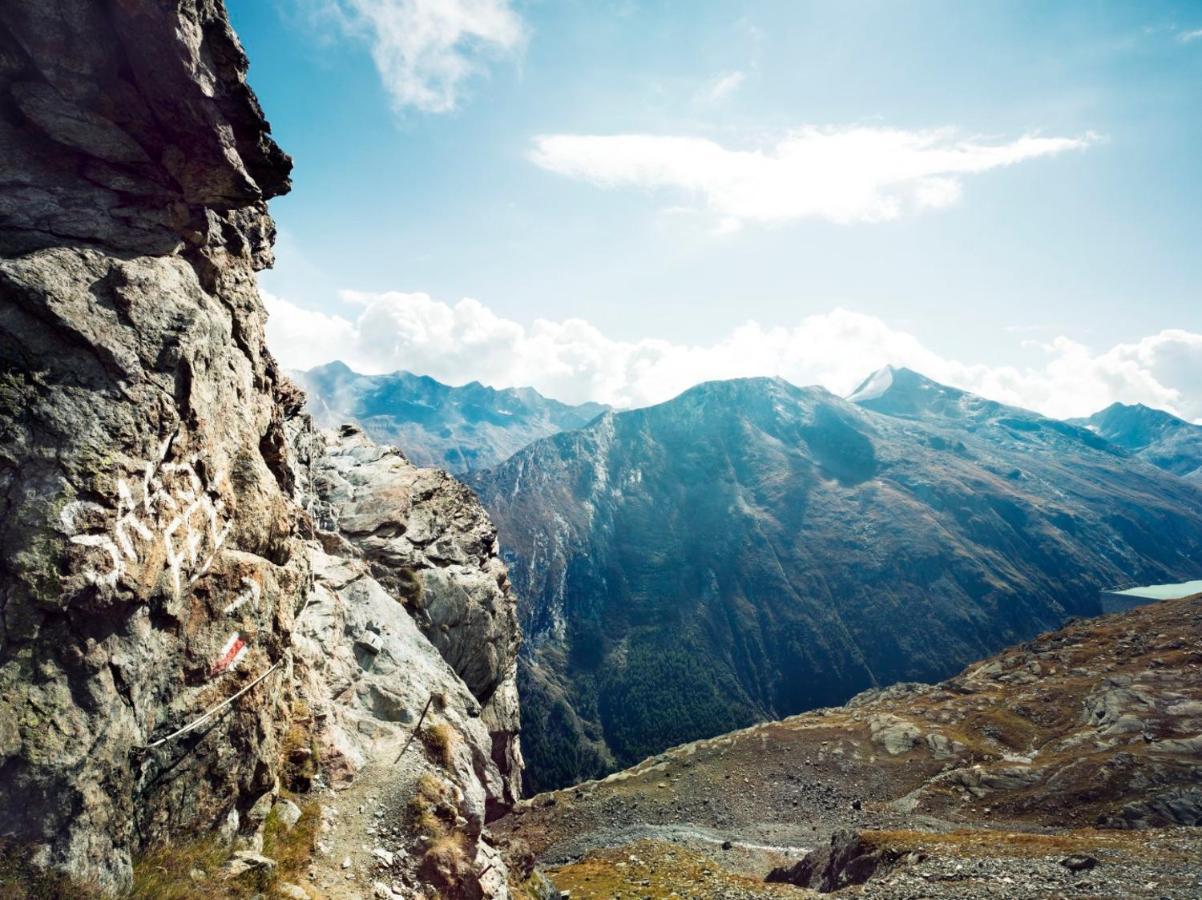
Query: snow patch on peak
(873, 386)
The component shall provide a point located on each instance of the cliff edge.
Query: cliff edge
(187, 637)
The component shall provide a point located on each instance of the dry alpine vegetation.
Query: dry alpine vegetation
(1066, 766)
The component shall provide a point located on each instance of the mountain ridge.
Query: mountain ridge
(1153, 435)
(454, 427)
(779, 532)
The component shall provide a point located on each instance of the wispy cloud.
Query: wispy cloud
(844, 175)
(573, 360)
(425, 50)
(1187, 36)
(724, 85)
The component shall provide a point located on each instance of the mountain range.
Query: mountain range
(752, 549)
(1153, 435)
(241, 657)
(453, 428)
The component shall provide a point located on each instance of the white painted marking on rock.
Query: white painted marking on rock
(252, 591)
(175, 509)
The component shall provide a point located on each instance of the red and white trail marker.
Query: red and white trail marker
(231, 654)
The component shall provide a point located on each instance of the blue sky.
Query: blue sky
(1008, 195)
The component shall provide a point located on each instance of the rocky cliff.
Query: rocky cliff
(193, 616)
(405, 667)
(420, 541)
(137, 508)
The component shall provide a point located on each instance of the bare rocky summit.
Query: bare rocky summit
(1153, 435)
(218, 627)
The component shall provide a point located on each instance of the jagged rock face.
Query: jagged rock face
(131, 126)
(361, 647)
(149, 563)
(155, 550)
(752, 549)
(429, 544)
(454, 428)
(409, 627)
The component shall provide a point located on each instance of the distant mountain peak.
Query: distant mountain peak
(456, 428)
(333, 367)
(1154, 435)
(873, 386)
(898, 391)
(1133, 411)
(723, 387)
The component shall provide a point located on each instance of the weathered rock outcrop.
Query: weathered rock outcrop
(173, 623)
(846, 860)
(149, 563)
(429, 541)
(131, 127)
(411, 561)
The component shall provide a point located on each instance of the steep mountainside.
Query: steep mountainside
(228, 643)
(1153, 435)
(434, 424)
(752, 549)
(1062, 767)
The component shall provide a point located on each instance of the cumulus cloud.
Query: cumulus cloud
(845, 175)
(424, 50)
(574, 361)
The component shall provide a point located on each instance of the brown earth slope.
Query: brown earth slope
(1086, 740)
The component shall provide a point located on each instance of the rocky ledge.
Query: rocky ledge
(405, 654)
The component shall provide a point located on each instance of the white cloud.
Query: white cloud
(845, 175)
(724, 85)
(574, 361)
(1188, 36)
(425, 49)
